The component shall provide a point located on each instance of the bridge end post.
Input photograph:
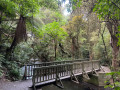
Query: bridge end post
(25, 73)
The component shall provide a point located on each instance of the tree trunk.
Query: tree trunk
(55, 41)
(112, 27)
(20, 35)
(73, 48)
(115, 52)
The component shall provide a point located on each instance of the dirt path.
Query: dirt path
(17, 85)
(26, 84)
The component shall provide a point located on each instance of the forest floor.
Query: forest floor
(25, 84)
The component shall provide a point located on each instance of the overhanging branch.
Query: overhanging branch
(116, 5)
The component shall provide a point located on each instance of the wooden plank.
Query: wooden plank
(47, 73)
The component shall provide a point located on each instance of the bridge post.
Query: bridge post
(93, 69)
(25, 73)
(58, 78)
(85, 75)
(72, 76)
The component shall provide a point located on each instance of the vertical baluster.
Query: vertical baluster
(43, 74)
(55, 72)
(78, 67)
(64, 70)
(46, 73)
(37, 74)
(31, 69)
(40, 75)
(67, 69)
(75, 67)
(51, 73)
(60, 70)
(25, 74)
(70, 69)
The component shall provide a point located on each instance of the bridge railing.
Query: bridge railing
(87, 66)
(29, 67)
(96, 64)
(47, 73)
(77, 67)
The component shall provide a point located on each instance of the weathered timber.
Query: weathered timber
(52, 73)
(29, 67)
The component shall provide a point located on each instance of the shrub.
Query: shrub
(1, 60)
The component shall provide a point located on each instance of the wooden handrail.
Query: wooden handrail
(47, 73)
(29, 67)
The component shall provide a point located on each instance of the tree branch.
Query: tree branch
(116, 5)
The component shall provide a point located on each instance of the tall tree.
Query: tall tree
(109, 12)
(56, 33)
(74, 28)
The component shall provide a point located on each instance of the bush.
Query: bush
(115, 76)
(1, 60)
(14, 74)
(13, 70)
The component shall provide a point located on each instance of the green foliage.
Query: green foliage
(27, 7)
(1, 60)
(13, 68)
(13, 9)
(116, 80)
(54, 31)
(118, 35)
(20, 57)
(21, 7)
(107, 8)
(73, 4)
(76, 27)
(52, 4)
(99, 47)
(22, 53)
(8, 7)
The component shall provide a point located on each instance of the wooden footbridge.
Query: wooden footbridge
(48, 72)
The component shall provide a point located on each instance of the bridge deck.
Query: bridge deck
(47, 73)
(65, 77)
